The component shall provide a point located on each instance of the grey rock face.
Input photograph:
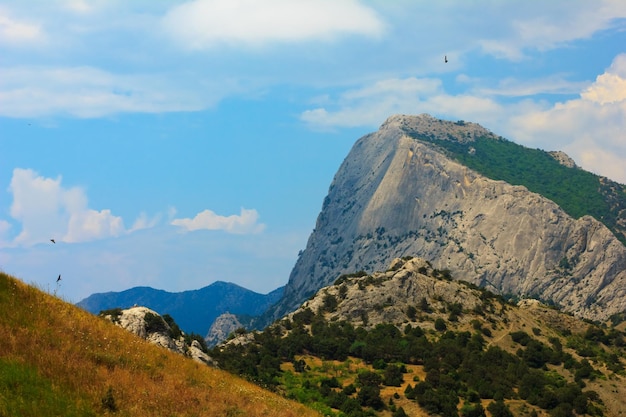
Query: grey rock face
(222, 327)
(396, 196)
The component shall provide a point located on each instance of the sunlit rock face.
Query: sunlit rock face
(157, 331)
(397, 196)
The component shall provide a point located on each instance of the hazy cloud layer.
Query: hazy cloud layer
(17, 33)
(88, 92)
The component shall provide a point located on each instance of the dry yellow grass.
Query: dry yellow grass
(86, 357)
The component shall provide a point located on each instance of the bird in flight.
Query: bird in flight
(52, 240)
(445, 59)
(59, 278)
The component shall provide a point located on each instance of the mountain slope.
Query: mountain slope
(434, 346)
(395, 195)
(57, 359)
(194, 310)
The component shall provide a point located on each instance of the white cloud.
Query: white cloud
(372, 104)
(514, 87)
(589, 128)
(145, 222)
(552, 25)
(203, 24)
(14, 32)
(48, 210)
(90, 92)
(244, 223)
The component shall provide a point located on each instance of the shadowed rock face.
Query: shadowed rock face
(396, 196)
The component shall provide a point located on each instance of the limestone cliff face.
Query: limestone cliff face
(396, 196)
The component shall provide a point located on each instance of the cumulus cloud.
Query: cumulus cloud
(244, 223)
(46, 209)
(203, 24)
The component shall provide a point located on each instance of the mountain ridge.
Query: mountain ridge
(193, 310)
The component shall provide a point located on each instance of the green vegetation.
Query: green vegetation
(341, 370)
(578, 192)
(23, 392)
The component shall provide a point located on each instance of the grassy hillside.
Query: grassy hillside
(58, 360)
(576, 191)
(438, 357)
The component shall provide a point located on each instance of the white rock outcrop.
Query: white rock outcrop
(134, 320)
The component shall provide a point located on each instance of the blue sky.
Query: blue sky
(173, 144)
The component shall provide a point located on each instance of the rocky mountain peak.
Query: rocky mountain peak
(433, 128)
(398, 194)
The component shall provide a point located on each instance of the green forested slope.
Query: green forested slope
(576, 191)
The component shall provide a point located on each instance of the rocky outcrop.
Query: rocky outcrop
(385, 297)
(397, 196)
(222, 327)
(149, 325)
(563, 159)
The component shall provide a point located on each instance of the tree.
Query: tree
(369, 396)
(393, 376)
(499, 409)
(440, 324)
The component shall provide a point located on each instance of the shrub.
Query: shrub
(155, 323)
(499, 409)
(440, 324)
(108, 401)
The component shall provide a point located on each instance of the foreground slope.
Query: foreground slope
(398, 193)
(56, 359)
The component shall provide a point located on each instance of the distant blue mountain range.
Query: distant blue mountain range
(194, 311)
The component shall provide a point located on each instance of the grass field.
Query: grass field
(58, 360)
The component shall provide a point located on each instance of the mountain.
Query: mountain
(59, 360)
(412, 340)
(513, 220)
(193, 310)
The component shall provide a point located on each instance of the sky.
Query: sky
(173, 144)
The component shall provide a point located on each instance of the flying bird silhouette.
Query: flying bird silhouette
(445, 59)
(52, 240)
(59, 278)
